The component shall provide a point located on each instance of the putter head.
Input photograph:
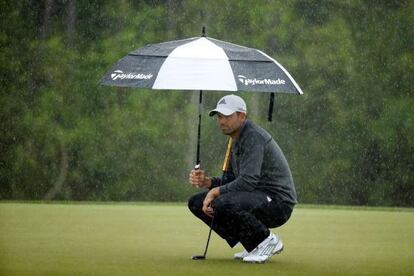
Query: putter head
(198, 257)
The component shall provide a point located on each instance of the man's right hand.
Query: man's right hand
(198, 178)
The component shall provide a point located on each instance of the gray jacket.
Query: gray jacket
(257, 163)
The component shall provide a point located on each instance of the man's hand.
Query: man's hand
(215, 192)
(198, 179)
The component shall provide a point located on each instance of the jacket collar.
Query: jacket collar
(243, 128)
(245, 125)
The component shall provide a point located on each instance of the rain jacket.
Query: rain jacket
(257, 164)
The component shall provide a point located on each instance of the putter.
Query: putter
(203, 257)
(225, 166)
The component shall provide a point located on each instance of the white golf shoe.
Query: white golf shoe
(265, 250)
(241, 255)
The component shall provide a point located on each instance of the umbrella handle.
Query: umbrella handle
(227, 156)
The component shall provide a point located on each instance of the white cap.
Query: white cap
(228, 105)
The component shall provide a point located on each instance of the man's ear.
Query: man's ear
(243, 116)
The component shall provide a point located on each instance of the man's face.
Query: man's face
(229, 125)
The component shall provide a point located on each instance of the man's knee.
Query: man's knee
(222, 206)
(195, 203)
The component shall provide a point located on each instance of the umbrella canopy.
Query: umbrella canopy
(201, 63)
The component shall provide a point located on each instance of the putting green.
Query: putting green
(159, 239)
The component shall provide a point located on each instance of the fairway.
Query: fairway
(159, 239)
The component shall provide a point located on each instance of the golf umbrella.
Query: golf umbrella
(201, 63)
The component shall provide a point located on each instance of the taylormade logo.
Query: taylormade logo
(247, 81)
(118, 74)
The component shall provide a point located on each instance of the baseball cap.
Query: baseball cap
(228, 105)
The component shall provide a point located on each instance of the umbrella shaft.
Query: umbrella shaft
(200, 107)
(271, 102)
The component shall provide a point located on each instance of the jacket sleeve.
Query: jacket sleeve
(215, 182)
(250, 163)
(227, 177)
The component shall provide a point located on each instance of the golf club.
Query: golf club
(225, 166)
(203, 257)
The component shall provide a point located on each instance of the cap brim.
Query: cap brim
(221, 110)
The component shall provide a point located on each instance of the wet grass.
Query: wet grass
(159, 239)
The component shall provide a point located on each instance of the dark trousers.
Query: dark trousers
(243, 217)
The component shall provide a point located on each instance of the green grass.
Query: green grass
(159, 239)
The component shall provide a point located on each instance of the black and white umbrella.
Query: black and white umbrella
(201, 63)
